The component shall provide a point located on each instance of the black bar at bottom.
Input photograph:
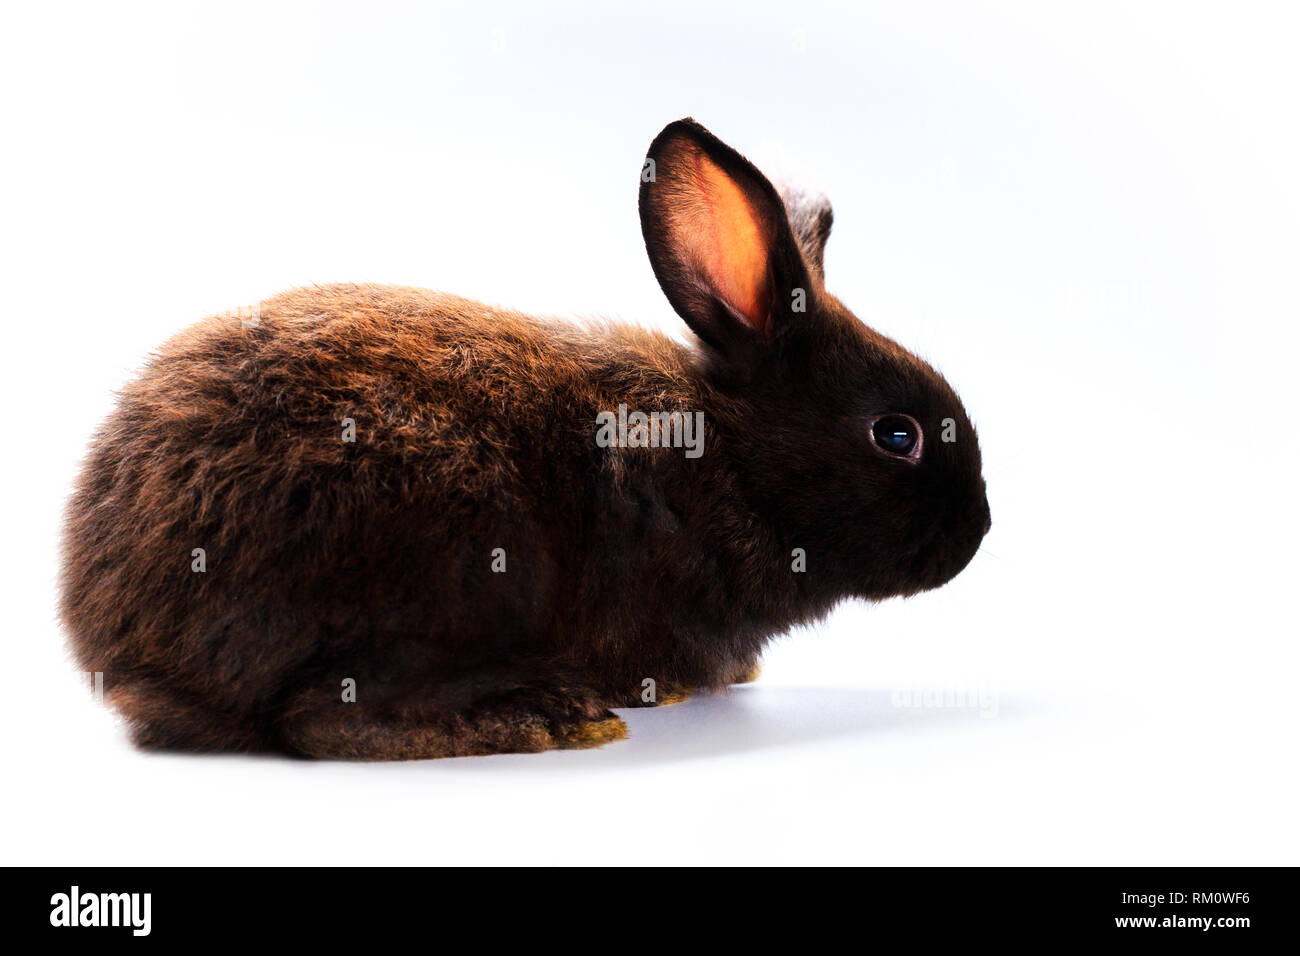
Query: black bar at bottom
(617, 908)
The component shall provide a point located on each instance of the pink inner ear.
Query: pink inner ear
(730, 245)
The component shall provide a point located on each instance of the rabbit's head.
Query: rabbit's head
(855, 449)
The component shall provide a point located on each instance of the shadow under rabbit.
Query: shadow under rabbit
(744, 719)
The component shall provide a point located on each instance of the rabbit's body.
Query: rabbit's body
(382, 522)
(373, 559)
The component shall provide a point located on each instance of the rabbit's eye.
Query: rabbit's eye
(897, 435)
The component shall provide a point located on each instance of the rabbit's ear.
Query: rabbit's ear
(810, 217)
(720, 242)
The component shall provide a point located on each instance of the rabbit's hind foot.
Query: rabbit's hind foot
(592, 733)
(345, 732)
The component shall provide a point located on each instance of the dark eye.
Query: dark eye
(897, 435)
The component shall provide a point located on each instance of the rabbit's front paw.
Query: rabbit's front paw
(749, 675)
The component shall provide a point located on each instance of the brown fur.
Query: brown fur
(371, 560)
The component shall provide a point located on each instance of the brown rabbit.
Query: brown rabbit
(385, 523)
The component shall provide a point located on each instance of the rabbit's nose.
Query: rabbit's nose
(988, 516)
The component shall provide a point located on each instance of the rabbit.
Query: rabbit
(380, 523)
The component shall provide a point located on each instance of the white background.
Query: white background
(1085, 214)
